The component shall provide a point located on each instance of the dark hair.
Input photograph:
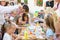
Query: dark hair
(17, 20)
(12, 3)
(25, 15)
(50, 23)
(26, 8)
(5, 4)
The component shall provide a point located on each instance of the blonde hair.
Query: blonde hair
(5, 26)
(8, 25)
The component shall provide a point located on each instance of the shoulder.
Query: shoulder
(6, 37)
(49, 30)
(49, 33)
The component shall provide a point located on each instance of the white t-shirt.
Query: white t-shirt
(7, 37)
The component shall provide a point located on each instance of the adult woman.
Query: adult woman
(57, 9)
(49, 3)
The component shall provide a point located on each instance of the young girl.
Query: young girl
(25, 18)
(50, 29)
(8, 30)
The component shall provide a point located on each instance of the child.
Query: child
(50, 29)
(26, 11)
(25, 18)
(8, 30)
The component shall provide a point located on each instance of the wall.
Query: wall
(33, 7)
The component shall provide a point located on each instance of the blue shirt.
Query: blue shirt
(49, 33)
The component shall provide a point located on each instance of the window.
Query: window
(26, 1)
(39, 2)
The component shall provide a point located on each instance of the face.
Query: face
(14, 13)
(12, 30)
(3, 3)
(25, 18)
(21, 9)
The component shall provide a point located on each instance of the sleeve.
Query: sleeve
(49, 33)
(7, 38)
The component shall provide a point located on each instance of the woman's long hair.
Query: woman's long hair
(50, 23)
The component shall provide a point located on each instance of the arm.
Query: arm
(55, 6)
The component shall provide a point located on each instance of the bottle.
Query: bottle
(42, 29)
(36, 14)
(26, 35)
(37, 24)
